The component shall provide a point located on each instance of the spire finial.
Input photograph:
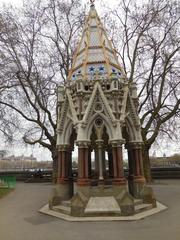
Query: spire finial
(92, 2)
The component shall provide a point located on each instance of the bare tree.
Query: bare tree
(147, 37)
(36, 48)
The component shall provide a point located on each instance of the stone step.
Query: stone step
(62, 209)
(66, 203)
(137, 201)
(102, 214)
(102, 206)
(101, 211)
(143, 207)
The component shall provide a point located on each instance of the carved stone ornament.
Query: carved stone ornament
(98, 107)
(98, 122)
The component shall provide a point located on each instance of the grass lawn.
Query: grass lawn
(4, 191)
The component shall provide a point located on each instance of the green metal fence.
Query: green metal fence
(7, 181)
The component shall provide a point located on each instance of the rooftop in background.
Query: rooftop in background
(18, 158)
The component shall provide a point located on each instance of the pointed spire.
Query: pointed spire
(95, 53)
(92, 2)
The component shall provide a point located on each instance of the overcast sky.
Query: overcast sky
(97, 2)
(16, 2)
(164, 147)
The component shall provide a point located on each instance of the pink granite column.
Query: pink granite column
(136, 155)
(83, 165)
(62, 175)
(110, 161)
(118, 171)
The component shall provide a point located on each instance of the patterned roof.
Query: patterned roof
(95, 53)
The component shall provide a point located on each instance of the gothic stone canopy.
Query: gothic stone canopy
(97, 88)
(97, 111)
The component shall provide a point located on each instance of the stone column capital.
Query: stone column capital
(99, 143)
(83, 144)
(63, 147)
(134, 145)
(117, 143)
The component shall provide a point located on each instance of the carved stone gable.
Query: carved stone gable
(98, 103)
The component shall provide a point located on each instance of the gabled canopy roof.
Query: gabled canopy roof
(95, 53)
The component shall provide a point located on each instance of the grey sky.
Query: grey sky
(97, 2)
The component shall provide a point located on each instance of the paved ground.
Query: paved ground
(20, 220)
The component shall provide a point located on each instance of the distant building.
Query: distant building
(3, 153)
(172, 161)
(18, 158)
(17, 162)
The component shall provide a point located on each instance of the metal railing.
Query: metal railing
(46, 175)
(7, 181)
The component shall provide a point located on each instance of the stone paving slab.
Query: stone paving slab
(102, 204)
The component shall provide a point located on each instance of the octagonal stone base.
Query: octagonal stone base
(101, 200)
(138, 216)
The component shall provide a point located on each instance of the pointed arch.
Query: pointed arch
(107, 124)
(130, 129)
(68, 128)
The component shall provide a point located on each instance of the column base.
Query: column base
(61, 192)
(83, 182)
(101, 182)
(119, 181)
(138, 189)
(139, 179)
(63, 180)
(148, 196)
(136, 185)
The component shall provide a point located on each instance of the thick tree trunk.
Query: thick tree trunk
(147, 164)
